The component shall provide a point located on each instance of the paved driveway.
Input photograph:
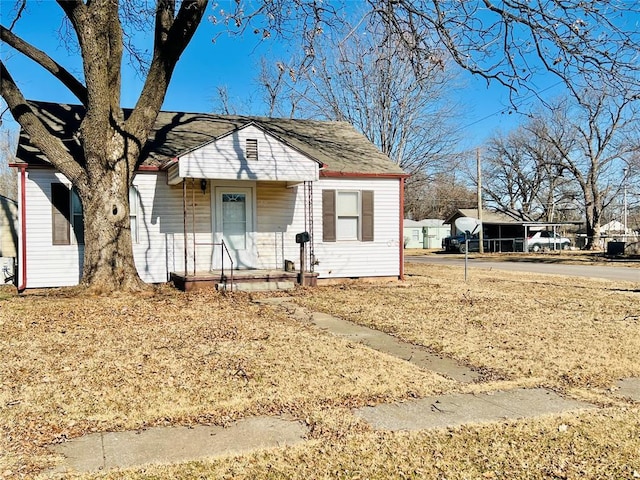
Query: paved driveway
(608, 272)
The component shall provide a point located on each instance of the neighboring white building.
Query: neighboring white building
(431, 230)
(251, 182)
(8, 237)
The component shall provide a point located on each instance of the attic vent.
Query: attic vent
(252, 149)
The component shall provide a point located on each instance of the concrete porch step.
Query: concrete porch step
(242, 280)
(257, 286)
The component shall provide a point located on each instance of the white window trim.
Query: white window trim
(134, 213)
(73, 214)
(358, 217)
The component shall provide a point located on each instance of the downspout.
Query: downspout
(401, 228)
(23, 228)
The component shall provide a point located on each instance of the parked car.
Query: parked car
(457, 243)
(547, 240)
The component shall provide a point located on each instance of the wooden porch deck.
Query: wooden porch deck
(242, 280)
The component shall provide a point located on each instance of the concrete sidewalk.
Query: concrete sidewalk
(383, 342)
(165, 445)
(458, 409)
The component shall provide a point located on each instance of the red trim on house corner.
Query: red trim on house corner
(402, 228)
(330, 173)
(23, 227)
(148, 168)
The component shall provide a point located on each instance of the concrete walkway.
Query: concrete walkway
(458, 409)
(383, 342)
(630, 388)
(166, 445)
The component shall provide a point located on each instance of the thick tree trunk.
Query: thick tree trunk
(108, 256)
(108, 252)
(593, 228)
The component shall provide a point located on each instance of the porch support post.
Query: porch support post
(184, 221)
(193, 223)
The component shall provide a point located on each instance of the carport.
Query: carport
(503, 233)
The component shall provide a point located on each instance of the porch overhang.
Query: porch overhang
(180, 170)
(247, 153)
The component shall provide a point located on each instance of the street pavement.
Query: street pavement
(609, 272)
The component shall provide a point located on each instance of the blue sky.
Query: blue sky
(230, 61)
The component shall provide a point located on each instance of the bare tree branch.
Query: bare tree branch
(51, 146)
(38, 56)
(172, 35)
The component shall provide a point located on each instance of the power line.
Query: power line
(504, 110)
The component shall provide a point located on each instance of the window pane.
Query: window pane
(78, 221)
(133, 213)
(347, 228)
(234, 220)
(348, 204)
(60, 214)
(75, 199)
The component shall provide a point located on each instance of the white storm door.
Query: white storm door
(234, 225)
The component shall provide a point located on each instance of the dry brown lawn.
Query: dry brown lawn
(72, 365)
(601, 445)
(76, 365)
(550, 330)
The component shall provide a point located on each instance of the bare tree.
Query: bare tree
(593, 141)
(367, 82)
(8, 176)
(439, 197)
(586, 44)
(524, 177)
(110, 144)
(364, 78)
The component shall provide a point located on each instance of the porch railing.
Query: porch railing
(222, 276)
(224, 251)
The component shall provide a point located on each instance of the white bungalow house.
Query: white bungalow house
(249, 183)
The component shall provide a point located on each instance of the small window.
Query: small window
(347, 215)
(133, 212)
(251, 149)
(416, 235)
(66, 215)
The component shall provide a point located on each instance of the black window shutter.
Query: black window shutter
(60, 214)
(328, 215)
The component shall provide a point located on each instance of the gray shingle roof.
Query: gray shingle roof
(337, 145)
(488, 217)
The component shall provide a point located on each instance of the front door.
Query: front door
(234, 225)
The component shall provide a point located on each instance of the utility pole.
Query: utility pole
(625, 213)
(480, 233)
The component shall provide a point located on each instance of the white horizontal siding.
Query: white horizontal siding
(361, 259)
(280, 215)
(225, 159)
(48, 265)
(160, 247)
